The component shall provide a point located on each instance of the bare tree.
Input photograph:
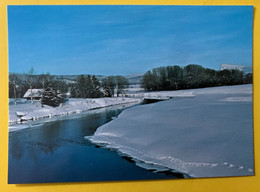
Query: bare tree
(109, 84)
(13, 79)
(30, 80)
(44, 79)
(122, 83)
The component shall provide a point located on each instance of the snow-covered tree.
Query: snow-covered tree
(96, 87)
(51, 97)
(86, 87)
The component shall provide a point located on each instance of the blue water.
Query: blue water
(57, 152)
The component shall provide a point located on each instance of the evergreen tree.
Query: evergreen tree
(82, 86)
(61, 86)
(89, 87)
(96, 87)
(74, 91)
(86, 87)
(51, 97)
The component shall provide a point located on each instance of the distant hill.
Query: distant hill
(244, 68)
(66, 78)
(133, 78)
(73, 78)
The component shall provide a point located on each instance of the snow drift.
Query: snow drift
(209, 135)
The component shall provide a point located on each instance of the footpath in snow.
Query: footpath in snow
(27, 111)
(207, 135)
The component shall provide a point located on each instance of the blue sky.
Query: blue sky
(110, 40)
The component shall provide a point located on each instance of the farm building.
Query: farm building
(36, 94)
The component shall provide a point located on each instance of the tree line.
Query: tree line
(191, 76)
(157, 79)
(55, 91)
(18, 85)
(90, 87)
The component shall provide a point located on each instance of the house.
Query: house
(35, 93)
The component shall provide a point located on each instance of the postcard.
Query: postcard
(129, 92)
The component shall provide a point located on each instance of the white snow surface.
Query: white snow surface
(207, 135)
(33, 92)
(244, 68)
(34, 111)
(162, 94)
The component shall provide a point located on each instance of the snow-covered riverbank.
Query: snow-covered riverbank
(209, 135)
(27, 111)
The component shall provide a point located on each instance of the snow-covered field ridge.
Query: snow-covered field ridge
(244, 68)
(27, 111)
(207, 135)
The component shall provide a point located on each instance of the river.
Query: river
(56, 151)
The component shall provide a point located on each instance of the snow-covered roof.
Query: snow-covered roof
(35, 93)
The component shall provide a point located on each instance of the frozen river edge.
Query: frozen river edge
(25, 113)
(209, 135)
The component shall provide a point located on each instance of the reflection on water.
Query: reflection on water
(50, 136)
(57, 152)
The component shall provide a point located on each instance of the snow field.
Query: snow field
(203, 132)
